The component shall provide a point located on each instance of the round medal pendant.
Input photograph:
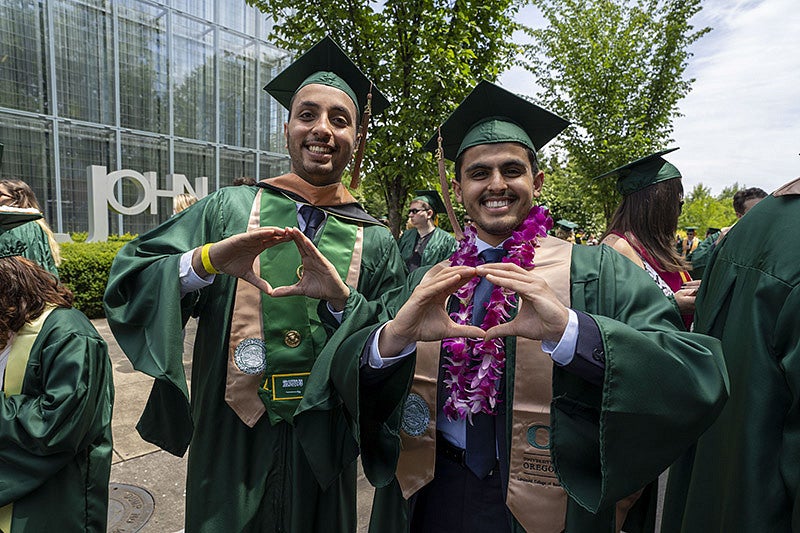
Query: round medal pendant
(250, 356)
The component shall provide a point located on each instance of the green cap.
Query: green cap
(712, 230)
(567, 224)
(491, 115)
(691, 228)
(326, 64)
(643, 172)
(432, 198)
(11, 217)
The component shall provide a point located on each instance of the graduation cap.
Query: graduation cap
(643, 172)
(711, 230)
(566, 224)
(491, 115)
(326, 64)
(11, 217)
(691, 228)
(432, 198)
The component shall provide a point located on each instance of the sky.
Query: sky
(741, 120)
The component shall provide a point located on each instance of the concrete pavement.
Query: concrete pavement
(142, 465)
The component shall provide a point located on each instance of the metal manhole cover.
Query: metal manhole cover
(129, 508)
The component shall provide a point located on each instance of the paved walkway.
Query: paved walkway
(142, 464)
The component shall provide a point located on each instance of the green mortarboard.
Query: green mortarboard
(490, 115)
(326, 64)
(691, 228)
(11, 217)
(432, 198)
(643, 172)
(712, 230)
(566, 224)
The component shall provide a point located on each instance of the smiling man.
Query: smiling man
(265, 318)
(564, 382)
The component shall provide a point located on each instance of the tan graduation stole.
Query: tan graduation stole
(12, 381)
(535, 496)
(248, 331)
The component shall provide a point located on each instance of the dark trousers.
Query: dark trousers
(457, 501)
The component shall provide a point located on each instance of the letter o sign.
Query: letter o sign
(142, 187)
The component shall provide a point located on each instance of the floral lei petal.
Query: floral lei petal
(473, 367)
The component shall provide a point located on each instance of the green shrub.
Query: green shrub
(84, 269)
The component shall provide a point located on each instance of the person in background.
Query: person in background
(55, 402)
(271, 422)
(41, 245)
(182, 201)
(537, 411)
(425, 243)
(244, 180)
(743, 474)
(743, 200)
(565, 230)
(690, 243)
(643, 226)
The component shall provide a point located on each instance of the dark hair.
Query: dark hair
(531, 159)
(743, 195)
(649, 218)
(244, 180)
(27, 290)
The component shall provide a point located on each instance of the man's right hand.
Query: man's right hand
(424, 316)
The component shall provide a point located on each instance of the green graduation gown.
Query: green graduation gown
(699, 258)
(441, 245)
(662, 388)
(37, 246)
(280, 477)
(55, 436)
(744, 473)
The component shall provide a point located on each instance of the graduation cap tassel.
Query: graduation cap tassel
(448, 205)
(362, 144)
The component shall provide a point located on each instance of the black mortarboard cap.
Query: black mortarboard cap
(325, 63)
(11, 217)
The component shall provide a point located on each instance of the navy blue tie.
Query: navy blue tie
(481, 439)
(313, 217)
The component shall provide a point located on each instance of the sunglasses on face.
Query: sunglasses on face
(412, 212)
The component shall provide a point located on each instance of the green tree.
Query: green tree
(704, 211)
(565, 196)
(615, 68)
(425, 55)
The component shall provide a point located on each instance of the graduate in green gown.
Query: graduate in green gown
(40, 244)
(55, 405)
(425, 243)
(744, 472)
(238, 261)
(588, 388)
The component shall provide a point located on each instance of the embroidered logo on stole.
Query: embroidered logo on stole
(535, 496)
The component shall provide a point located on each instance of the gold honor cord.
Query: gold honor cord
(448, 205)
(362, 143)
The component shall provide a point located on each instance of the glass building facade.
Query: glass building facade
(171, 87)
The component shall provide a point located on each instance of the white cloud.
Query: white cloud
(741, 120)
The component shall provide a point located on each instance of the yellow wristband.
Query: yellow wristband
(207, 260)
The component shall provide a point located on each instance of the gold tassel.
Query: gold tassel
(448, 205)
(362, 144)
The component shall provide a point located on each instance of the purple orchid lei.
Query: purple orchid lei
(473, 367)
